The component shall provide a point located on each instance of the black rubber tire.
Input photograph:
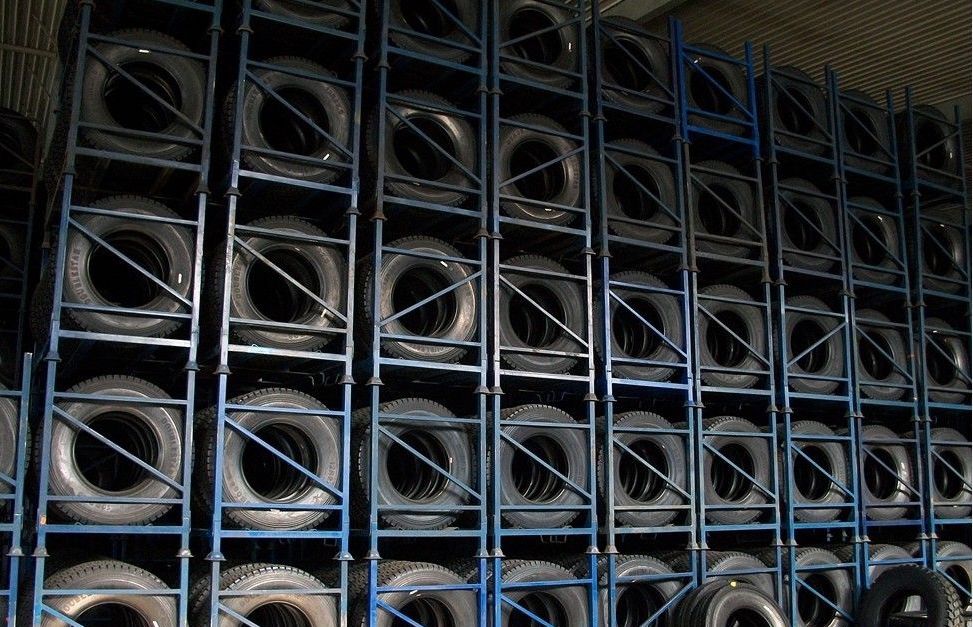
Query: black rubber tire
(864, 132)
(409, 154)
(650, 76)
(12, 248)
(639, 486)
(525, 483)
(834, 584)
(158, 611)
(452, 317)
(523, 326)
(163, 249)
(878, 554)
(179, 80)
(18, 142)
(326, 104)
(630, 338)
(812, 487)
(875, 372)
(636, 601)
(703, 95)
(876, 491)
(564, 607)
(936, 139)
(871, 262)
(798, 108)
(798, 236)
(710, 217)
(314, 442)
(941, 601)
(154, 434)
(722, 350)
(827, 360)
(523, 149)
(755, 459)
(690, 603)
(427, 607)
(557, 49)
(9, 425)
(943, 375)
(951, 493)
(721, 604)
(624, 199)
(321, 268)
(942, 270)
(428, 19)
(730, 561)
(447, 443)
(275, 608)
(307, 13)
(961, 570)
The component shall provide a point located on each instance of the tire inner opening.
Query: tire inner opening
(118, 283)
(860, 132)
(876, 365)
(269, 476)
(810, 482)
(633, 338)
(419, 157)
(804, 334)
(112, 615)
(273, 296)
(107, 470)
(813, 611)
(529, 324)
(710, 92)
(533, 481)
(802, 225)
(279, 614)
(728, 483)
(880, 482)
(941, 370)
(795, 111)
(412, 478)
(424, 16)
(627, 65)
(544, 605)
(936, 241)
(949, 485)
(425, 611)
(637, 481)
(930, 137)
(285, 131)
(634, 202)
(865, 237)
(714, 215)
(746, 617)
(636, 603)
(547, 183)
(725, 349)
(540, 47)
(435, 318)
(134, 109)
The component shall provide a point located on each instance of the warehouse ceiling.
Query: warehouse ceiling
(873, 44)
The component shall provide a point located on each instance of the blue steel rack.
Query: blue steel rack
(14, 407)
(90, 172)
(729, 131)
(643, 232)
(875, 245)
(558, 369)
(452, 62)
(808, 238)
(939, 226)
(323, 206)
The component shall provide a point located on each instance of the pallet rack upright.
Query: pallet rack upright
(642, 298)
(431, 178)
(286, 308)
(727, 242)
(14, 407)
(166, 156)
